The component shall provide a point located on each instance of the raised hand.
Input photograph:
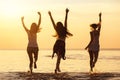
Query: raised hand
(49, 12)
(100, 14)
(22, 18)
(67, 10)
(39, 13)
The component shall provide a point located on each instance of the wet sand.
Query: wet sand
(59, 76)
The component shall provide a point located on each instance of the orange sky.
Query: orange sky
(82, 13)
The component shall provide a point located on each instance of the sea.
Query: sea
(76, 61)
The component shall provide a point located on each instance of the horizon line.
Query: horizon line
(68, 49)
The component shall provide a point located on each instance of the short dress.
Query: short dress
(94, 46)
(59, 48)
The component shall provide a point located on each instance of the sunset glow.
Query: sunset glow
(82, 14)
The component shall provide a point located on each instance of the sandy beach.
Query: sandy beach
(59, 76)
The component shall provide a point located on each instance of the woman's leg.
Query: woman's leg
(30, 58)
(58, 63)
(31, 61)
(95, 57)
(35, 57)
(91, 59)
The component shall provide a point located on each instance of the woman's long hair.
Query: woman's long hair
(62, 31)
(34, 28)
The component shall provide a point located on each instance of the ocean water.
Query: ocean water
(77, 61)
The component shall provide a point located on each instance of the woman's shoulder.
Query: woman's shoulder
(94, 32)
(91, 31)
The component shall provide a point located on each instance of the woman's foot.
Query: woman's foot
(29, 73)
(55, 71)
(59, 70)
(91, 70)
(64, 58)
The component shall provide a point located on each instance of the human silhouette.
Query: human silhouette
(93, 46)
(32, 47)
(61, 34)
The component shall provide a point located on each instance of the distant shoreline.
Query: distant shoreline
(68, 49)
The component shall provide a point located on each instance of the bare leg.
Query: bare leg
(91, 60)
(58, 63)
(31, 61)
(96, 57)
(35, 58)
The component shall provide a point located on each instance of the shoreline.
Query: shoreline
(59, 76)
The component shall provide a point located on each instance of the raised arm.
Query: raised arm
(22, 19)
(65, 23)
(52, 20)
(100, 14)
(100, 20)
(39, 21)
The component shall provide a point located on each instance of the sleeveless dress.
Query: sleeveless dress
(59, 47)
(94, 46)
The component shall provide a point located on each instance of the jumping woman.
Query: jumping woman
(61, 34)
(93, 46)
(32, 48)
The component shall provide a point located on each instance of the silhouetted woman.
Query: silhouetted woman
(93, 46)
(32, 48)
(61, 34)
